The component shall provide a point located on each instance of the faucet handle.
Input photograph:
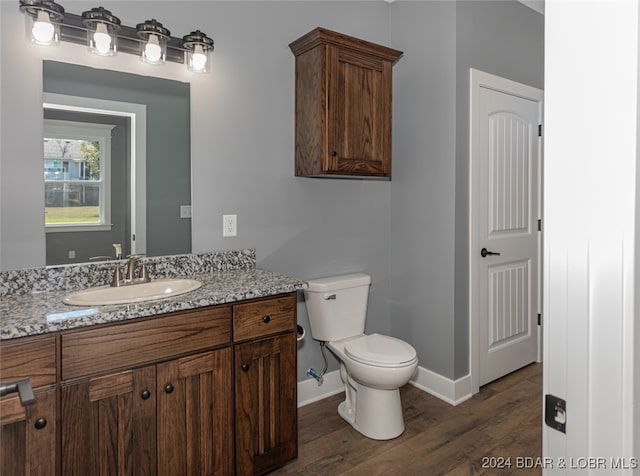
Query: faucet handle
(144, 271)
(116, 280)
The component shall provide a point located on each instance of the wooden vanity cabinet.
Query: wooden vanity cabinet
(210, 391)
(28, 433)
(343, 89)
(265, 384)
(173, 416)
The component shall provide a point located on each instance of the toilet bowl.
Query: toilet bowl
(372, 380)
(372, 367)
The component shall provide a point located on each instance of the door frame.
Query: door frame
(478, 79)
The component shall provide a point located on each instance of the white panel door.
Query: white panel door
(505, 243)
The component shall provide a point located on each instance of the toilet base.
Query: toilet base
(375, 413)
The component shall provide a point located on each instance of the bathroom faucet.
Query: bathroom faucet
(130, 274)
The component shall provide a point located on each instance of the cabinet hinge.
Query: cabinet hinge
(539, 224)
(539, 130)
(539, 319)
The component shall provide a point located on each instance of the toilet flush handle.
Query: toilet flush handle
(330, 297)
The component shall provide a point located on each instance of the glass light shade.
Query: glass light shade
(102, 31)
(199, 60)
(198, 51)
(41, 30)
(154, 50)
(102, 40)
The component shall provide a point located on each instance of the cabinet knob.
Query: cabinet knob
(146, 394)
(41, 423)
(168, 388)
(334, 153)
(266, 319)
(245, 367)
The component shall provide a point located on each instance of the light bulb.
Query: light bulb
(198, 58)
(102, 39)
(152, 50)
(42, 30)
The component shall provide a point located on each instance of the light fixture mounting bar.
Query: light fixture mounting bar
(72, 30)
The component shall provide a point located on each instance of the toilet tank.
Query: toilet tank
(337, 306)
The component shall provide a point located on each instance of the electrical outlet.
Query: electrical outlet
(229, 225)
(72, 254)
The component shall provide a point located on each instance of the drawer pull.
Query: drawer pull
(146, 394)
(168, 388)
(266, 319)
(41, 423)
(245, 367)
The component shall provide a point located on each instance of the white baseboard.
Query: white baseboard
(452, 392)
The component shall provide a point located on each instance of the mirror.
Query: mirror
(136, 193)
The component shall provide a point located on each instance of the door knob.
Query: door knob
(484, 253)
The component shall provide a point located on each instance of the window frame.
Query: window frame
(59, 129)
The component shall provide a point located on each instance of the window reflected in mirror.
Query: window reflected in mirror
(77, 166)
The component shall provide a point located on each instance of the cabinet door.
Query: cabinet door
(359, 114)
(195, 415)
(28, 435)
(266, 404)
(109, 424)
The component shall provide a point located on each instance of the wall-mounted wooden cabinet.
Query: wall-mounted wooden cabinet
(343, 106)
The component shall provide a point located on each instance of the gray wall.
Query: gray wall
(402, 232)
(423, 191)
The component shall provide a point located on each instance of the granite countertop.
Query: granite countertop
(42, 312)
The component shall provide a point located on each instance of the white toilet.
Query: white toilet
(372, 367)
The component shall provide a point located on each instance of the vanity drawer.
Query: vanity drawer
(34, 358)
(128, 345)
(263, 318)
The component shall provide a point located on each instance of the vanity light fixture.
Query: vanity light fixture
(42, 20)
(49, 23)
(153, 48)
(198, 49)
(102, 31)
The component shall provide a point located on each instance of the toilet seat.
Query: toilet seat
(380, 351)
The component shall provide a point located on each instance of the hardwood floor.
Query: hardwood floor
(502, 421)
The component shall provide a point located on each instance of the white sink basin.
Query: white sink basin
(157, 289)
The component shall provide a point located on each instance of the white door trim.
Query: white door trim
(477, 80)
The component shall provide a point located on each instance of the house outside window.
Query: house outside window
(77, 166)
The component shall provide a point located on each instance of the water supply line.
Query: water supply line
(313, 373)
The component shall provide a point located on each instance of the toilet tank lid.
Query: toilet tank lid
(335, 283)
